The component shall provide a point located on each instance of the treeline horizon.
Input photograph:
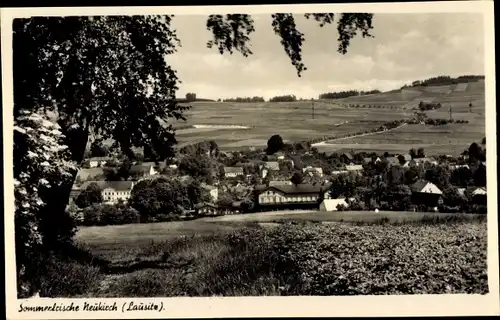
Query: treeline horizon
(444, 80)
(433, 81)
(346, 94)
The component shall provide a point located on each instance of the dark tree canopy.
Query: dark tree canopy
(274, 144)
(97, 149)
(297, 178)
(91, 195)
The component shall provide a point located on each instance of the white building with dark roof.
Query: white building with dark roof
(231, 172)
(112, 191)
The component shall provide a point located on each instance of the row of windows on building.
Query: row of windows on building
(277, 199)
(116, 193)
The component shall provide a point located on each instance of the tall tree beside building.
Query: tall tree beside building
(91, 195)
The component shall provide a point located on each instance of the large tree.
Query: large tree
(91, 195)
(109, 77)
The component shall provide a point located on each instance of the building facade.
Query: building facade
(298, 196)
(112, 191)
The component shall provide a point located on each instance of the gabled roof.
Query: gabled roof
(348, 155)
(100, 159)
(422, 186)
(91, 172)
(477, 191)
(331, 204)
(203, 204)
(117, 185)
(426, 159)
(140, 168)
(207, 186)
(354, 167)
(279, 183)
(272, 165)
(313, 169)
(295, 189)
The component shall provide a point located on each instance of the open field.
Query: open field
(294, 122)
(446, 139)
(115, 242)
(331, 258)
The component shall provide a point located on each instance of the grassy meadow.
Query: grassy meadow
(338, 253)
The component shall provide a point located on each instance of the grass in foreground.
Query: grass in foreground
(296, 259)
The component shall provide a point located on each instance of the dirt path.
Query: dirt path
(327, 142)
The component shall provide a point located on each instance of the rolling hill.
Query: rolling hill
(294, 121)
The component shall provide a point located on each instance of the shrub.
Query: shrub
(69, 279)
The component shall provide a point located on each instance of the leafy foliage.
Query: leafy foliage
(91, 195)
(231, 32)
(274, 144)
(297, 178)
(42, 163)
(163, 196)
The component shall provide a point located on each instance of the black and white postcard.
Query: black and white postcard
(250, 161)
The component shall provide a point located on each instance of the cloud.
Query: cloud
(405, 47)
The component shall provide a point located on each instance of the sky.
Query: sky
(405, 47)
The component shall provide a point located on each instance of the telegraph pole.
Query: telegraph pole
(451, 117)
(313, 109)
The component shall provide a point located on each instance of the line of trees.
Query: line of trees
(445, 80)
(245, 99)
(190, 97)
(285, 98)
(345, 94)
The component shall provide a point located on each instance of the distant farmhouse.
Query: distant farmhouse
(424, 192)
(346, 157)
(140, 171)
(98, 161)
(269, 166)
(90, 174)
(421, 161)
(313, 171)
(478, 194)
(333, 204)
(206, 209)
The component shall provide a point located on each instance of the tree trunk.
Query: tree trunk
(59, 228)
